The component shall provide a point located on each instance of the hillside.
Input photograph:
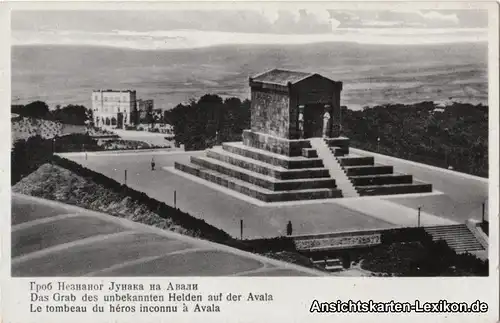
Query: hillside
(30, 127)
(59, 184)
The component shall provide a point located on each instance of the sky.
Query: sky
(201, 28)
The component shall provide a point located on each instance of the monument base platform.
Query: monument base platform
(275, 169)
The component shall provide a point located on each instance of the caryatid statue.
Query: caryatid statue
(326, 122)
(301, 121)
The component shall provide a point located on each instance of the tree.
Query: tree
(36, 109)
(73, 114)
(197, 124)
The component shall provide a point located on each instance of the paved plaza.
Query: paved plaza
(58, 240)
(453, 202)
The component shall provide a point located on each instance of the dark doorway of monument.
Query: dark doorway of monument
(313, 120)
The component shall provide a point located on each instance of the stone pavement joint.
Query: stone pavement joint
(36, 222)
(143, 260)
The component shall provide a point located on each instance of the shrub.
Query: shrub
(405, 235)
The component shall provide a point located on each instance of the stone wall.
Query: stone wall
(274, 144)
(270, 112)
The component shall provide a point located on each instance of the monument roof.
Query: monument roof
(281, 77)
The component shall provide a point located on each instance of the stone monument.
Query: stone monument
(275, 160)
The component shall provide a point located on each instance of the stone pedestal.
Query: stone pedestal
(266, 167)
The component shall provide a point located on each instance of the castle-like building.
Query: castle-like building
(114, 108)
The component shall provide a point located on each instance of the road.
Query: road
(51, 239)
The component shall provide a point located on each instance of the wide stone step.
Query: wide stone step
(368, 170)
(264, 181)
(309, 153)
(453, 235)
(448, 226)
(394, 189)
(277, 172)
(271, 158)
(356, 161)
(458, 237)
(381, 179)
(462, 248)
(447, 230)
(470, 243)
(337, 142)
(256, 191)
(467, 250)
(339, 151)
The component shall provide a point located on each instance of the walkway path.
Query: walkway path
(392, 212)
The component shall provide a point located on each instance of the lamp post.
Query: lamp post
(483, 213)
(378, 144)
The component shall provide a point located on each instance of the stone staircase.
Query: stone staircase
(273, 169)
(458, 237)
(324, 152)
(263, 174)
(369, 178)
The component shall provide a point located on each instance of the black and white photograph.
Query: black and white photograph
(259, 140)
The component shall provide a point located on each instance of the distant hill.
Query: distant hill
(372, 74)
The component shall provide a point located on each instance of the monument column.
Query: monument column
(301, 121)
(327, 121)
